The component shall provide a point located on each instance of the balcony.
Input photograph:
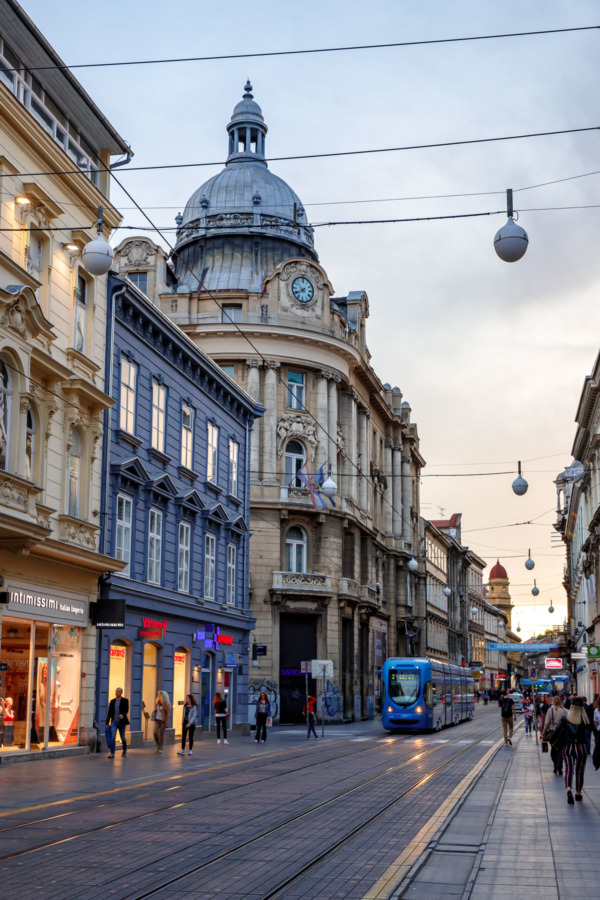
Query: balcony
(369, 595)
(302, 583)
(296, 495)
(348, 587)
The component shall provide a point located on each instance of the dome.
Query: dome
(498, 571)
(242, 223)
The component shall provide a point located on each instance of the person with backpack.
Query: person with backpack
(509, 717)
(569, 737)
(553, 719)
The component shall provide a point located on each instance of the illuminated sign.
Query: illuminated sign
(179, 659)
(152, 629)
(551, 663)
(117, 652)
(211, 637)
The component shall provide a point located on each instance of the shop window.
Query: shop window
(128, 396)
(15, 654)
(65, 682)
(117, 670)
(209, 566)
(180, 685)
(74, 473)
(149, 685)
(5, 396)
(295, 458)
(295, 550)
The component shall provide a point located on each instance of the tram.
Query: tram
(424, 694)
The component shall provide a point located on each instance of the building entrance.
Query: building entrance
(298, 641)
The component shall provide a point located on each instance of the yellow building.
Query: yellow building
(55, 146)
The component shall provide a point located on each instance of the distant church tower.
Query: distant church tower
(498, 590)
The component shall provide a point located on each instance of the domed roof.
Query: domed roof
(244, 221)
(498, 571)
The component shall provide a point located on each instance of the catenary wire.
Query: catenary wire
(271, 53)
(330, 155)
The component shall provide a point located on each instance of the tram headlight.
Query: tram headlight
(419, 709)
(390, 709)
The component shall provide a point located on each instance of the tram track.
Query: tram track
(267, 833)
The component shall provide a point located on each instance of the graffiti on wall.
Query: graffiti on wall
(332, 700)
(255, 689)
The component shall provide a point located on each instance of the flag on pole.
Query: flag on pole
(306, 479)
(319, 478)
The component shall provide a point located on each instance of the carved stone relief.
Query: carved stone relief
(290, 425)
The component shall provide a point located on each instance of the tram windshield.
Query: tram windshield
(404, 686)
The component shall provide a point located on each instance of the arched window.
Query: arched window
(295, 550)
(74, 473)
(295, 457)
(5, 390)
(29, 446)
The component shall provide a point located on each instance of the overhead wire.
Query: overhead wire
(301, 52)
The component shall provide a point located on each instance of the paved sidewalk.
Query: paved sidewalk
(515, 836)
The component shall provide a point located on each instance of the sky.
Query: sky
(491, 356)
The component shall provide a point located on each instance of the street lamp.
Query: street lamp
(98, 255)
(412, 564)
(511, 241)
(535, 589)
(529, 563)
(329, 487)
(447, 592)
(519, 485)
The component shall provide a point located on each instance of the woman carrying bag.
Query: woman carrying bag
(160, 717)
(188, 724)
(569, 736)
(553, 717)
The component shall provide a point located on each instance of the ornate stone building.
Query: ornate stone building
(52, 343)
(328, 580)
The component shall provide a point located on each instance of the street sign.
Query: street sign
(305, 667)
(593, 652)
(533, 672)
(322, 668)
(579, 655)
(552, 663)
(475, 664)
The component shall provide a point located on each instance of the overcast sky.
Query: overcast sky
(491, 356)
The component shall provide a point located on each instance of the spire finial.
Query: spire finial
(248, 95)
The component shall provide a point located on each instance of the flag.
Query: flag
(306, 479)
(319, 478)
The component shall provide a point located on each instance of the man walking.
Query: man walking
(118, 720)
(509, 716)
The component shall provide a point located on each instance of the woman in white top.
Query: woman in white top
(162, 709)
(553, 717)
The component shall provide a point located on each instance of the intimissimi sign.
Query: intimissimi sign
(53, 607)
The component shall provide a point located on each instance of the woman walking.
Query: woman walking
(528, 712)
(220, 706)
(553, 718)
(188, 724)
(261, 714)
(543, 708)
(162, 709)
(570, 735)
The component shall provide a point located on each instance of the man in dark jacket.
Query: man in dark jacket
(509, 717)
(118, 720)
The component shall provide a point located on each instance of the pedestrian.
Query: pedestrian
(569, 736)
(261, 714)
(311, 717)
(220, 706)
(528, 713)
(596, 756)
(117, 720)
(553, 718)
(486, 697)
(509, 717)
(542, 710)
(188, 724)
(160, 717)
(589, 711)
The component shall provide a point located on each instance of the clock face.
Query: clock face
(302, 289)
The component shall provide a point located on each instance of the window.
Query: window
(295, 390)
(231, 314)
(34, 255)
(128, 390)
(231, 558)
(29, 446)
(295, 458)
(154, 545)
(123, 533)
(209, 566)
(187, 435)
(4, 414)
(234, 449)
(80, 314)
(211, 456)
(229, 370)
(159, 404)
(183, 558)
(140, 279)
(295, 550)
(74, 473)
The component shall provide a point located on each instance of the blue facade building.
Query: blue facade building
(175, 509)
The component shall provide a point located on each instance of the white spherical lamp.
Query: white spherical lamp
(519, 485)
(412, 564)
(447, 592)
(551, 608)
(97, 256)
(510, 242)
(529, 563)
(535, 589)
(329, 487)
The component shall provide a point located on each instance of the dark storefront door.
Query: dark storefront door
(347, 667)
(297, 642)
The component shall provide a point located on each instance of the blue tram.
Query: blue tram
(422, 694)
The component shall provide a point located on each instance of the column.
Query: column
(397, 489)
(332, 420)
(406, 524)
(349, 427)
(322, 458)
(363, 442)
(270, 423)
(253, 382)
(388, 496)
